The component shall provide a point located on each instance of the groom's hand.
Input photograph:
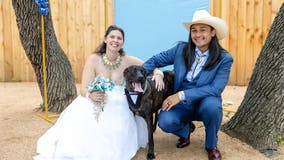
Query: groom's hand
(170, 102)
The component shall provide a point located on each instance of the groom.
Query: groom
(202, 69)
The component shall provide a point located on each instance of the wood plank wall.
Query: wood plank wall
(78, 34)
(249, 23)
(79, 26)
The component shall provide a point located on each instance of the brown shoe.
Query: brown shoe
(214, 154)
(183, 142)
(191, 127)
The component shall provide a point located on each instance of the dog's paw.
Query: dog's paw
(150, 156)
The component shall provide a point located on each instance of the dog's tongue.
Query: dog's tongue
(137, 87)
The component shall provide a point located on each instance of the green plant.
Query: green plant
(228, 114)
(41, 107)
(279, 139)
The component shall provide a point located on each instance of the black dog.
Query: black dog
(149, 99)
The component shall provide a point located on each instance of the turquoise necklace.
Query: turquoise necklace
(111, 65)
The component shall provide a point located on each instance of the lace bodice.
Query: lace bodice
(117, 82)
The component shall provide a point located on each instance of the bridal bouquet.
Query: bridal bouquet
(99, 83)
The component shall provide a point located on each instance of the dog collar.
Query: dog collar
(130, 101)
(145, 88)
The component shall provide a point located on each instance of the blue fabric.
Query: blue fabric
(157, 31)
(203, 100)
(209, 83)
(208, 110)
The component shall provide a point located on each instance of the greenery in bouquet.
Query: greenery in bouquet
(99, 84)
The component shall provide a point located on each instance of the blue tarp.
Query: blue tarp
(152, 26)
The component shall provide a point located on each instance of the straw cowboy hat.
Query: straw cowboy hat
(202, 16)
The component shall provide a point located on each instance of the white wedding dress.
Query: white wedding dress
(117, 135)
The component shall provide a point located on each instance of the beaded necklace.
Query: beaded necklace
(111, 65)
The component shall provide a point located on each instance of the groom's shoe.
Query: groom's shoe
(214, 154)
(183, 142)
(192, 127)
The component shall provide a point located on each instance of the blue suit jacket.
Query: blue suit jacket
(209, 83)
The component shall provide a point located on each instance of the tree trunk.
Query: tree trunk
(260, 117)
(61, 88)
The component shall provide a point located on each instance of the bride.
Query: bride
(86, 132)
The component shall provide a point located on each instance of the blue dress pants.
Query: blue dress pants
(207, 110)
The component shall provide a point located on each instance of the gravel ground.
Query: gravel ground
(20, 127)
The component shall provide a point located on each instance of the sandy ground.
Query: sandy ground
(20, 128)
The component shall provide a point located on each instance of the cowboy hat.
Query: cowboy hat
(202, 16)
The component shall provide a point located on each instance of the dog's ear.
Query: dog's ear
(125, 72)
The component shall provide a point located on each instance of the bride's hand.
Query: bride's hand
(98, 96)
(158, 78)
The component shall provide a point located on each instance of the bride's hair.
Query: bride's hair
(102, 47)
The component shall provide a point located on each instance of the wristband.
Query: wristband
(179, 95)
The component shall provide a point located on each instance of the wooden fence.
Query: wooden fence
(249, 23)
(78, 34)
(79, 26)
